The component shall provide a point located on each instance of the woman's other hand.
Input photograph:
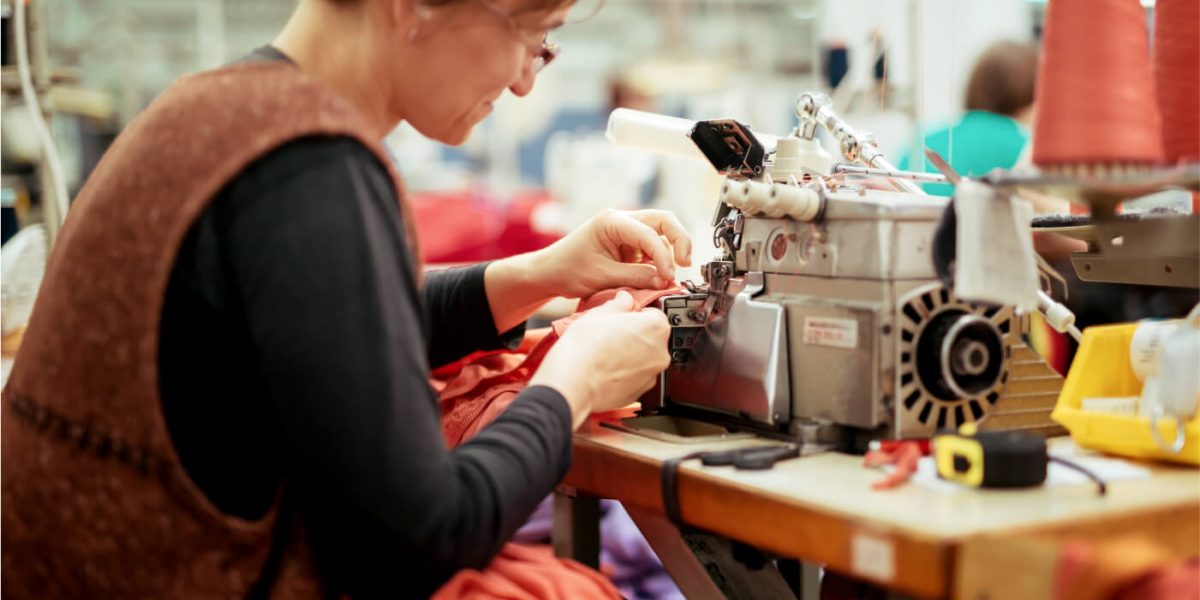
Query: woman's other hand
(607, 358)
(637, 249)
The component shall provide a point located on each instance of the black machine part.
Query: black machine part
(730, 146)
(959, 355)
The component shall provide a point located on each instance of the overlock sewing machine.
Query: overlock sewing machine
(824, 320)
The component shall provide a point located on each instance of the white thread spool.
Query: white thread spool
(797, 202)
(1146, 347)
(1163, 355)
(731, 193)
(756, 196)
(797, 156)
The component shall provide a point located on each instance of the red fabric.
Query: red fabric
(1056, 350)
(903, 456)
(1124, 569)
(523, 572)
(474, 392)
(460, 227)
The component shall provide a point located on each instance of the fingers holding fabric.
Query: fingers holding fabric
(667, 225)
(623, 230)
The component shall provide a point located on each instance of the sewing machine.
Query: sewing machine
(823, 320)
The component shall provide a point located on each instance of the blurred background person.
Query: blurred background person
(995, 127)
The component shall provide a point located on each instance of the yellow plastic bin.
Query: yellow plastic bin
(1101, 369)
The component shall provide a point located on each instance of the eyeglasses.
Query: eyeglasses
(548, 53)
(544, 51)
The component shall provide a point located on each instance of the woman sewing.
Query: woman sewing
(223, 390)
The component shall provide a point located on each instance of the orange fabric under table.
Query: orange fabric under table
(474, 392)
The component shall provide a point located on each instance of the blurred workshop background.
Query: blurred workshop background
(538, 165)
(891, 66)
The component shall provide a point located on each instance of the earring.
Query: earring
(423, 14)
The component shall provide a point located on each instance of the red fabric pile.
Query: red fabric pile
(1127, 568)
(468, 227)
(477, 389)
(523, 572)
(903, 457)
(474, 392)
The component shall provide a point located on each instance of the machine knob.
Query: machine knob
(960, 355)
(968, 357)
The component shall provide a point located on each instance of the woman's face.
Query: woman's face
(473, 51)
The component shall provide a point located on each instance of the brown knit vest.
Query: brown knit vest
(95, 502)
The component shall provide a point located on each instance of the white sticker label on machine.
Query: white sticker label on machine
(872, 557)
(828, 331)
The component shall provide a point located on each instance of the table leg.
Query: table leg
(576, 528)
(804, 578)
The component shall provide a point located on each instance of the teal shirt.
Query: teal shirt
(982, 141)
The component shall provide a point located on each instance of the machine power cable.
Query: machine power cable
(29, 94)
(1102, 487)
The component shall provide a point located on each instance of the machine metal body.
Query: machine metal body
(824, 321)
(839, 323)
(1154, 249)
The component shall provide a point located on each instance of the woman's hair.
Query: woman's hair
(528, 6)
(1003, 79)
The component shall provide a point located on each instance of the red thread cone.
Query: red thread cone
(1095, 95)
(1177, 77)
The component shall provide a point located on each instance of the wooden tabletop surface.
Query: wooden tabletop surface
(821, 507)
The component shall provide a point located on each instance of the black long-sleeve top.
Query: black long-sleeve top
(295, 346)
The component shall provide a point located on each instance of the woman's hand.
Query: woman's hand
(607, 358)
(636, 249)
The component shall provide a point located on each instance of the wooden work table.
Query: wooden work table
(916, 539)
